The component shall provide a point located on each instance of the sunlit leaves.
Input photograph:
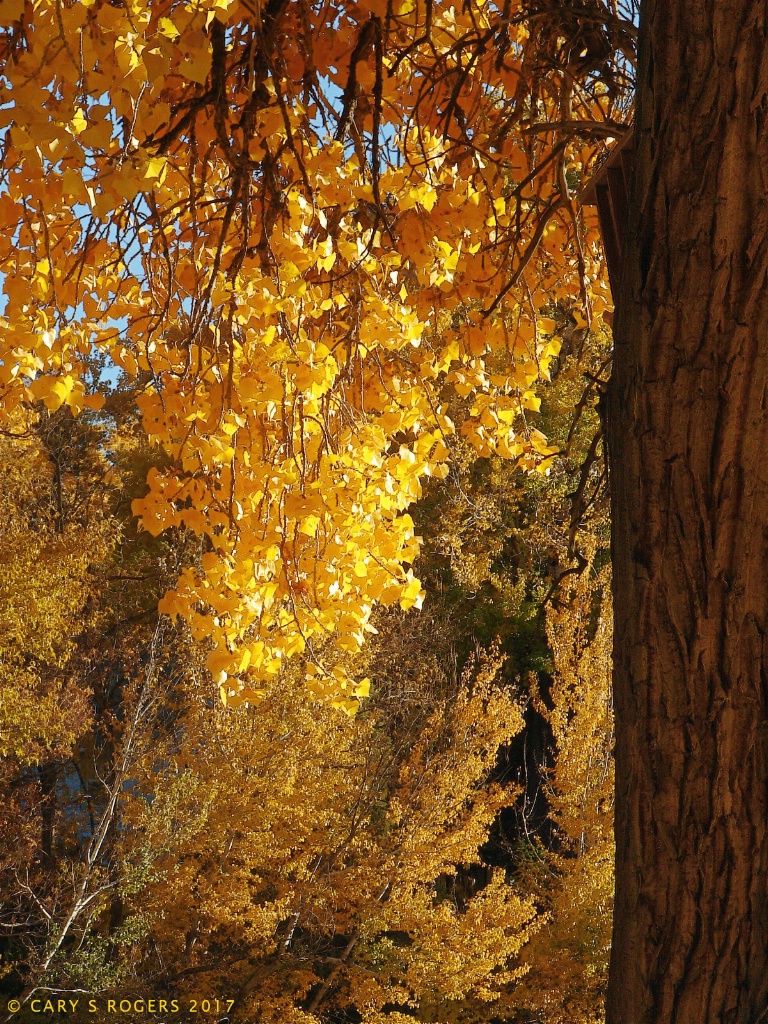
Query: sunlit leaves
(187, 190)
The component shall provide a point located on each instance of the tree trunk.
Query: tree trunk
(48, 774)
(688, 450)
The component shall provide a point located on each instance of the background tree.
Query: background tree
(75, 659)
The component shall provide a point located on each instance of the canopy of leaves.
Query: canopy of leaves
(291, 228)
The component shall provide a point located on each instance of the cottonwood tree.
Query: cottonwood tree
(687, 435)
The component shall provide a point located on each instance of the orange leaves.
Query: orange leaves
(196, 64)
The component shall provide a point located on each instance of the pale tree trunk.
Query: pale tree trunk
(688, 450)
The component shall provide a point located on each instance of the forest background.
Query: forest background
(305, 611)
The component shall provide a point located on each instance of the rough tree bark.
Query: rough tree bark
(688, 450)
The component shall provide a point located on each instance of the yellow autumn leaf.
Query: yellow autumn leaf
(167, 28)
(156, 166)
(78, 123)
(363, 688)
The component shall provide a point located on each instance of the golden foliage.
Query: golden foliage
(300, 844)
(569, 955)
(47, 590)
(291, 229)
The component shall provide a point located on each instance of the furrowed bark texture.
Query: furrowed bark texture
(688, 449)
